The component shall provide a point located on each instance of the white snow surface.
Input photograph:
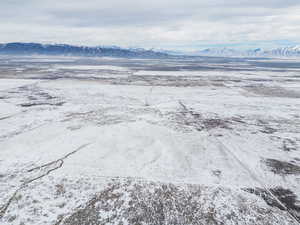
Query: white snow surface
(91, 67)
(217, 136)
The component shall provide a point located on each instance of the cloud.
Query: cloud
(156, 23)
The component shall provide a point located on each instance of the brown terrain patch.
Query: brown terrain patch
(286, 199)
(144, 202)
(274, 91)
(282, 167)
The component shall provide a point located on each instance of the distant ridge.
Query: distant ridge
(20, 48)
(293, 51)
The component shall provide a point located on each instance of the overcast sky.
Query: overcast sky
(169, 24)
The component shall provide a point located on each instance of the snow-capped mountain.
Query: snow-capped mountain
(219, 52)
(285, 51)
(19, 48)
(71, 50)
(258, 52)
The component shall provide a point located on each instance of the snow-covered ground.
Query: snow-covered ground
(113, 141)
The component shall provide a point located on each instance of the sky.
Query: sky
(188, 25)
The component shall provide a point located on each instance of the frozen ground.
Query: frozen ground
(113, 141)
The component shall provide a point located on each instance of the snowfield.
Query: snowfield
(122, 141)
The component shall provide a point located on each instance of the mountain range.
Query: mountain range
(258, 52)
(19, 48)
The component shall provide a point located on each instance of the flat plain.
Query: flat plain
(149, 141)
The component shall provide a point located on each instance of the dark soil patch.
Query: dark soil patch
(282, 168)
(35, 93)
(289, 145)
(215, 123)
(268, 130)
(45, 95)
(285, 196)
(41, 103)
(274, 91)
(137, 203)
(194, 120)
(144, 207)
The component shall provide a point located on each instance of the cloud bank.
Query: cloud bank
(173, 24)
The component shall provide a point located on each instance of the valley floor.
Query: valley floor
(124, 141)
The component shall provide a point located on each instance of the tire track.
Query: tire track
(58, 164)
